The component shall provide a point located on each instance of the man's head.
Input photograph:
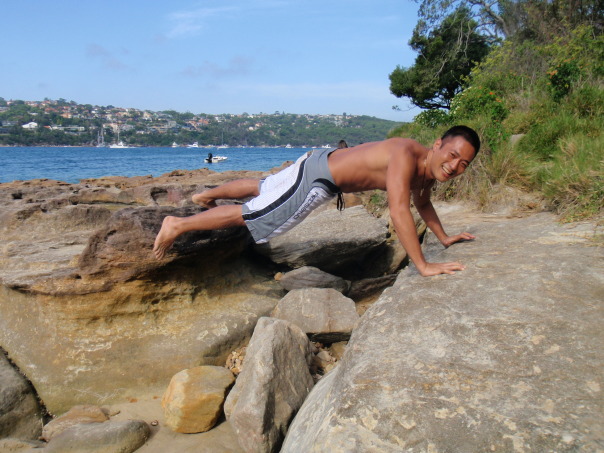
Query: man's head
(453, 152)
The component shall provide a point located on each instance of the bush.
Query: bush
(433, 118)
(562, 78)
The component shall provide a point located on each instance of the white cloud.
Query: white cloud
(189, 23)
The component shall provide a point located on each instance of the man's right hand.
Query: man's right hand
(440, 268)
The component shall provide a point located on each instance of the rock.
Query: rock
(193, 401)
(334, 241)
(272, 385)
(82, 277)
(368, 287)
(109, 437)
(20, 413)
(311, 277)
(322, 313)
(10, 445)
(75, 415)
(504, 356)
(337, 349)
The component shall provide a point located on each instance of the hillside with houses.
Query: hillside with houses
(67, 123)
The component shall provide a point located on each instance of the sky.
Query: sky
(206, 56)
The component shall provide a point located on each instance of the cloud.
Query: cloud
(108, 59)
(237, 66)
(189, 23)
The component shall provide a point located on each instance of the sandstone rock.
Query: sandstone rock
(311, 277)
(193, 401)
(10, 445)
(366, 287)
(75, 416)
(334, 241)
(82, 277)
(20, 413)
(337, 349)
(108, 437)
(504, 356)
(323, 313)
(272, 385)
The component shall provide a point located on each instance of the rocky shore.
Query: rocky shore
(227, 346)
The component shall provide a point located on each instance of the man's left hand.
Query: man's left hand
(450, 240)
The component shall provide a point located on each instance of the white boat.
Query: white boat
(119, 145)
(194, 145)
(175, 145)
(100, 141)
(214, 159)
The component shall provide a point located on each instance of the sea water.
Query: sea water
(70, 164)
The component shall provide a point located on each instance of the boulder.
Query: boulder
(109, 437)
(311, 277)
(12, 445)
(82, 277)
(272, 385)
(74, 416)
(334, 241)
(20, 414)
(504, 356)
(322, 313)
(193, 401)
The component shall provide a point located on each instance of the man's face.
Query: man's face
(451, 157)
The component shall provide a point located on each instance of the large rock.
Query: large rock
(82, 277)
(20, 413)
(272, 386)
(322, 313)
(193, 400)
(109, 437)
(504, 356)
(334, 241)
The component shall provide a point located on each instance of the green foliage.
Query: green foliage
(433, 118)
(445, 56)
(562, 78)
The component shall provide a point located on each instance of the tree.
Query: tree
(446, 55)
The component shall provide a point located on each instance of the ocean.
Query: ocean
(70, 164)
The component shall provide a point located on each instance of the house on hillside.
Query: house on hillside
(31, 125)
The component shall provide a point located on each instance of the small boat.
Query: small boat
(194, 145)
(119, 145)
(211, 159)
(175, 145)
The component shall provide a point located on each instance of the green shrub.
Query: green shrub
(433, 118)
(562, 78)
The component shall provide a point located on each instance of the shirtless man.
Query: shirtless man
(400, 166)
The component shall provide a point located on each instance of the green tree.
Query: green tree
(446, 55)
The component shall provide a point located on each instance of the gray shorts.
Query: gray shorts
(287, 197)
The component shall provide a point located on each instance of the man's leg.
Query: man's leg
(213, 219)
(234, 190)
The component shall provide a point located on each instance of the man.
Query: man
(400, 166)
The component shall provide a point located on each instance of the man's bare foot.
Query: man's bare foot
(165, 238)
(203, 201)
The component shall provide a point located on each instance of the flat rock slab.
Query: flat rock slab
(504, 356)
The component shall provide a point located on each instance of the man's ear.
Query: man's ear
(437, 144)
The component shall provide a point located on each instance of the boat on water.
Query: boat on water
(193, 145)
(211, 159)
(175, 145)
(100, 140)
(119, 145)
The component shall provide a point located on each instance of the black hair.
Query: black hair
(467, 133)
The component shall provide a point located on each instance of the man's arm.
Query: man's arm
(398, 185)
(428, 213)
